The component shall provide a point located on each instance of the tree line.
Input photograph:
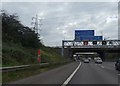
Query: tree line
(14, 31)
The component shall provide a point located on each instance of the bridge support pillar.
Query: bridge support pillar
(102, 55)
(67, 52)
(70, 54)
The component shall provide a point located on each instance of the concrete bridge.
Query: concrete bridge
(70, 47)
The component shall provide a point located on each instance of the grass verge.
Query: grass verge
(16, 75)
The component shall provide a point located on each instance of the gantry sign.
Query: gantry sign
(115, 44)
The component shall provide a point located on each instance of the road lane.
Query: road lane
(90, 73)
(70, 77)
(109, 65)
(111, 70)
(55, 76)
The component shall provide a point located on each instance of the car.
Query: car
(99, 61)
(86, 60)
(117, 64)
(89, 58)
(95, 59)
(83, 59)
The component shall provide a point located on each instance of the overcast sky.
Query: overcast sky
(61, 19)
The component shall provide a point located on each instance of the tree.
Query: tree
(11, 28)
(14, 31)
(29, 38)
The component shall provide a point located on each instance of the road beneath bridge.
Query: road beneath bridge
(70, 47)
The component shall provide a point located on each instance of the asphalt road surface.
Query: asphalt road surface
(86, 73)
(91, 73)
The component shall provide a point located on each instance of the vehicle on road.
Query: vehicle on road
(86, 60)
(83, 59)
(95, 58)
(117, 64)
(99, 61)
(89, 58)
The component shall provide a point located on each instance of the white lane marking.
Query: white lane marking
(102, 66)
(70, 77)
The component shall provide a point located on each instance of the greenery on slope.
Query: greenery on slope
(20, 44)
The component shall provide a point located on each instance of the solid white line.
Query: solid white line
(70, 77)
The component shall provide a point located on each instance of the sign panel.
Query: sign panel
(98, 38)
(89, 38)
(94, 42)
(84, 32)
(85, 42)
(104, 42)
(86, 35)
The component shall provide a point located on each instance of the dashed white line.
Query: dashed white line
(70, 77)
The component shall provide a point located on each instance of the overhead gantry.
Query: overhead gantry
(69, 47)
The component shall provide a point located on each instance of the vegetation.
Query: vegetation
(16, 75)
(112, 56)
(13, 31)
(19, 47)
(20, 44)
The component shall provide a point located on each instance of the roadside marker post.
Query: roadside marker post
(39, 59)
(39, 56)
(39, 52)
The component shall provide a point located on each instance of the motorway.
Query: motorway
(87, 73)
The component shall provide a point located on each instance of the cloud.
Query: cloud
(60, 19)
